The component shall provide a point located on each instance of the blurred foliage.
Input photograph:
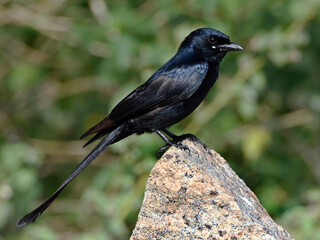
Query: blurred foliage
(65, 64)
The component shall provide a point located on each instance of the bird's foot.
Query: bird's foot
(181, 146)
(162, 150)
(176, 142)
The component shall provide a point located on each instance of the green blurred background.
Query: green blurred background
(65, 64)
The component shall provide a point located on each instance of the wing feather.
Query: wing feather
(164, 88)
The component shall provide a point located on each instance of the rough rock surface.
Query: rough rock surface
(196, 195)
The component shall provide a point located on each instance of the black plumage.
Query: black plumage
(168, 96)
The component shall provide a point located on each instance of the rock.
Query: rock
(196, 195)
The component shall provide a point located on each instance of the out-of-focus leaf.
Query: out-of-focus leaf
(23, 75)
(255, 141)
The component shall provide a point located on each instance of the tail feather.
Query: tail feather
(104, 125)
(95, 137)
(113, 137)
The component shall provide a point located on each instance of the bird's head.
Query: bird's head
(210, 44)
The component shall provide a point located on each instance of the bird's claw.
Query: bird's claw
(179, 145)
(163, 149)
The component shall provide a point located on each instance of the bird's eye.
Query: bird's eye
(212, 40)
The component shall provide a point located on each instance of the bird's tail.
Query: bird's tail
(115, 136)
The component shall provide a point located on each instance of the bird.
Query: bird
(168, 96)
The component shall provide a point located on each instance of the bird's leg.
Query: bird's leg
(165, 147)
(176, 138)
(164, 138)
(170, 134)
(169, 143)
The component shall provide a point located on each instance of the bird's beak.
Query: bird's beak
(230, 47)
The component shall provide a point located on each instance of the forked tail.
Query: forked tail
(116, 135)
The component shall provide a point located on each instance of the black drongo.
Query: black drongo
(168, 96)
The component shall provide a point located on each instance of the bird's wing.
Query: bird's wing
(162, 89)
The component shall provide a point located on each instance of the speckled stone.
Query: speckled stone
(196, 195)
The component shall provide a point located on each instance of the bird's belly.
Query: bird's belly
(159, 118)
(162, 117)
